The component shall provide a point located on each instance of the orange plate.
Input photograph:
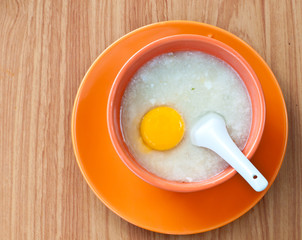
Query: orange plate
(129, 196)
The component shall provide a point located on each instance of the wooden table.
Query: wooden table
(45, 49)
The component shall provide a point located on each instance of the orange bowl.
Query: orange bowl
(184, 42)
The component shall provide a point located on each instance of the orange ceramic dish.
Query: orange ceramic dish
(184, 42)
(139, 202)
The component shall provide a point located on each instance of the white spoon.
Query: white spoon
(210, 132)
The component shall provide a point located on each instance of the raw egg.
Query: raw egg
(162, 128)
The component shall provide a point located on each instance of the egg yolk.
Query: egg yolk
(162, 128)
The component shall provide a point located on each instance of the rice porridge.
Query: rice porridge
(192, 83)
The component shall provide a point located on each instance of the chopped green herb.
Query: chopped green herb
(192, 88)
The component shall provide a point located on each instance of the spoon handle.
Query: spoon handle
(224, 146)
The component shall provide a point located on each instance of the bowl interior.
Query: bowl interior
(174, 44)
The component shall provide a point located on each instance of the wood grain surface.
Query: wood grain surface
(45, 49)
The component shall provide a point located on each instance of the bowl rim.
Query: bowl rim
(152, 178)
